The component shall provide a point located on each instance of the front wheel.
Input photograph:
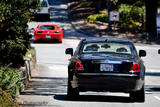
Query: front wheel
(138, 96)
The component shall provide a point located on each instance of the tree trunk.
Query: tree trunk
(98, 4)
(151, 10)
(109, 8)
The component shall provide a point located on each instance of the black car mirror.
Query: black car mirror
(142, 53)
(159, 51)
(69, 51)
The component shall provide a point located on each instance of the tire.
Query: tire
(34, 41)
(138, 96)
(72, 93)
(59, 41)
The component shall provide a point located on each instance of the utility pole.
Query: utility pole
(109, 9)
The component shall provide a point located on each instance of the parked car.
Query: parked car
(44, 11)
(106, 64)
(48, 32)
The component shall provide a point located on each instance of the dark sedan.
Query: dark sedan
(106, 64)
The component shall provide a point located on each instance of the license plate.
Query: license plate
(106, 67)
(48, 36)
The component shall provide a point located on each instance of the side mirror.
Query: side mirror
(158, 51)
(69, 51)
(142, 53)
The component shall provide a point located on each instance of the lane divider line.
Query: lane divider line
(156, 97)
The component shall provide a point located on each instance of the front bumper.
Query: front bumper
(112, 82)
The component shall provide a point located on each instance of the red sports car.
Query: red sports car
(48, 32)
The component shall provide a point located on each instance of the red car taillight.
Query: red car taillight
(78, 66)
(48, 10)
(135, 67)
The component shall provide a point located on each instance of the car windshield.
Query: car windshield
(116, 48)
(44, 4)
(47, 27)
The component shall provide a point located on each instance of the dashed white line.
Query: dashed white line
(156, 97)
(153, 70)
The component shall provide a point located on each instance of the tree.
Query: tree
(14, 39)
(99, 4)
(151, 10)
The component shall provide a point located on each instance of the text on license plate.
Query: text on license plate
(48, 36)
(106, 67)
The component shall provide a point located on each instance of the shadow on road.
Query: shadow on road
(57, 87)
(152, 89)
(45, 86)
(152, 73)
(96, 98)
(44, 42)
(52, 2)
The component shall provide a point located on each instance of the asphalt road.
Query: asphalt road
(49, 83)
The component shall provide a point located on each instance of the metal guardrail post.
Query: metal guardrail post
(28, 68)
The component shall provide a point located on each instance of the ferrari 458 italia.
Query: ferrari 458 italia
(48, 32)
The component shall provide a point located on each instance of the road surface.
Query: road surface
(48, 86)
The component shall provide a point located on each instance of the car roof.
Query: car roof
(94, 40)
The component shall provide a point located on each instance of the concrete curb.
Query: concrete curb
(27, 69)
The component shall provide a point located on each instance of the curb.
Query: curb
(27, 69)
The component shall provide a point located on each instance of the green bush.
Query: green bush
(145, 35)
(15, 39)
(128, 12)
(131, 16)
(6, 99)
(137, 13)
(11, 81)
(124, 11)
(97, 17)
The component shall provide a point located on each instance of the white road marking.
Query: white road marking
(147, 92)
(147, 46)
(156, 97)
(153, 70)
(58, 67)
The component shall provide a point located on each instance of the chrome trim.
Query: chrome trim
(107, 74)
(107, 62)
